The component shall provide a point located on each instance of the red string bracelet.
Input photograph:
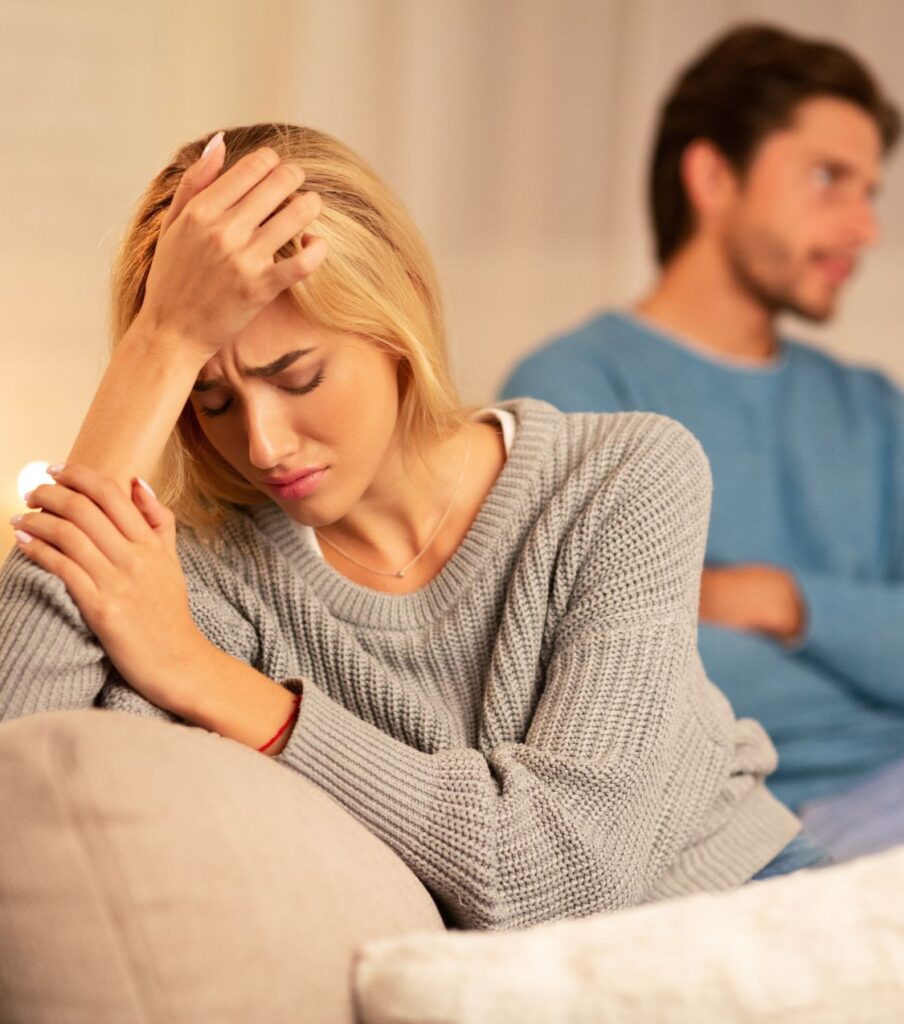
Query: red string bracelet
(285, 726)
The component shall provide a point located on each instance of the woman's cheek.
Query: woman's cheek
(226, 440)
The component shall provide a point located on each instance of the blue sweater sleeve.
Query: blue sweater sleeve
(856, 626)
(563, 375)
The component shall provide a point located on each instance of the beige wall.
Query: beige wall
(515, 130)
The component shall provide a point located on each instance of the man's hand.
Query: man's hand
(757, 598)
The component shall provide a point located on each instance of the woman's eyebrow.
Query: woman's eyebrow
(270, 370)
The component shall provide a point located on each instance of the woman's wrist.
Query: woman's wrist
(163, 341)
(278, 741)
(137, 404)
(225, 695)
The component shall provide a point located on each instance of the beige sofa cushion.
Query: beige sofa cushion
(152, 872)
(815, 947)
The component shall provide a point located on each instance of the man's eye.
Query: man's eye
(824, 176)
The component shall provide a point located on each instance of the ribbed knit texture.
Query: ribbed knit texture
(806, 458)
(532, 731)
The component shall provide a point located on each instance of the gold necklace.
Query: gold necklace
(400, 573)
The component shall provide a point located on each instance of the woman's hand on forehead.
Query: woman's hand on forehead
(215, 264)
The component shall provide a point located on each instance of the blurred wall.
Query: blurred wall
(516, 131)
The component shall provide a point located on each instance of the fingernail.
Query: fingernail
(212, 145)
(16, 519)
(27, 495)
(57, 467)
(23, 537)
(146, 486)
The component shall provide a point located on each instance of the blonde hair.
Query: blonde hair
(378, 281)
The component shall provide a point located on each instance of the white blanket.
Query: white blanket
(814, 947)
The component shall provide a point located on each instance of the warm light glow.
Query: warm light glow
(32, 475)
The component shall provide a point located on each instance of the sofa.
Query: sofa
(153, 872)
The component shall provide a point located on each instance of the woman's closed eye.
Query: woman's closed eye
(304, 389)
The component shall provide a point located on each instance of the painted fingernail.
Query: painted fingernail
(146, 486)
(16, 519)
(57, 467)
(23, 537)
(212, 145)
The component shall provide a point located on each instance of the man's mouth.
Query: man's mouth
(836, 268)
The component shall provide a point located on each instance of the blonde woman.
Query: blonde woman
(474, 629)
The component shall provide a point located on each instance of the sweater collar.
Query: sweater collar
(510, 501)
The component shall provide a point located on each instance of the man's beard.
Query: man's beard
(764, 267)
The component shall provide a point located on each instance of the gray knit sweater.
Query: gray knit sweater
(532, 731)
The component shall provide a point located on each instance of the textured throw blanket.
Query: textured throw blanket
(815, 947)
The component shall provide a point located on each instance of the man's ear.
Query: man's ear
(709, 179)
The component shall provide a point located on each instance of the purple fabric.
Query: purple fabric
(866, 819)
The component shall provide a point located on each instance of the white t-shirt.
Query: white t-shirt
(503, 417)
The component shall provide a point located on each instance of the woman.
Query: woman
(475, 630)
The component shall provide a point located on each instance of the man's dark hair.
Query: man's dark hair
(745, 86)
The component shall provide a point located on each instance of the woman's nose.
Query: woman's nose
(271, 441)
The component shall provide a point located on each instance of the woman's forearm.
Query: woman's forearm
(144, 389)
(225, 695)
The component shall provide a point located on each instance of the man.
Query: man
(764, 173)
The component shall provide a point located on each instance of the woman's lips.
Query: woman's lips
(301, 487)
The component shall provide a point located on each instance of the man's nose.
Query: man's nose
(863, 225)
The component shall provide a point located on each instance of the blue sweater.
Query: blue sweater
(807, 456)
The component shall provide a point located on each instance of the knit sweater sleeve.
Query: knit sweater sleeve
(583, 814)
(50, 660)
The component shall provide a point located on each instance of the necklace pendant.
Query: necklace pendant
(401, 573)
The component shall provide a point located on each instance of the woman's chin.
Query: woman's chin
(313, 512)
